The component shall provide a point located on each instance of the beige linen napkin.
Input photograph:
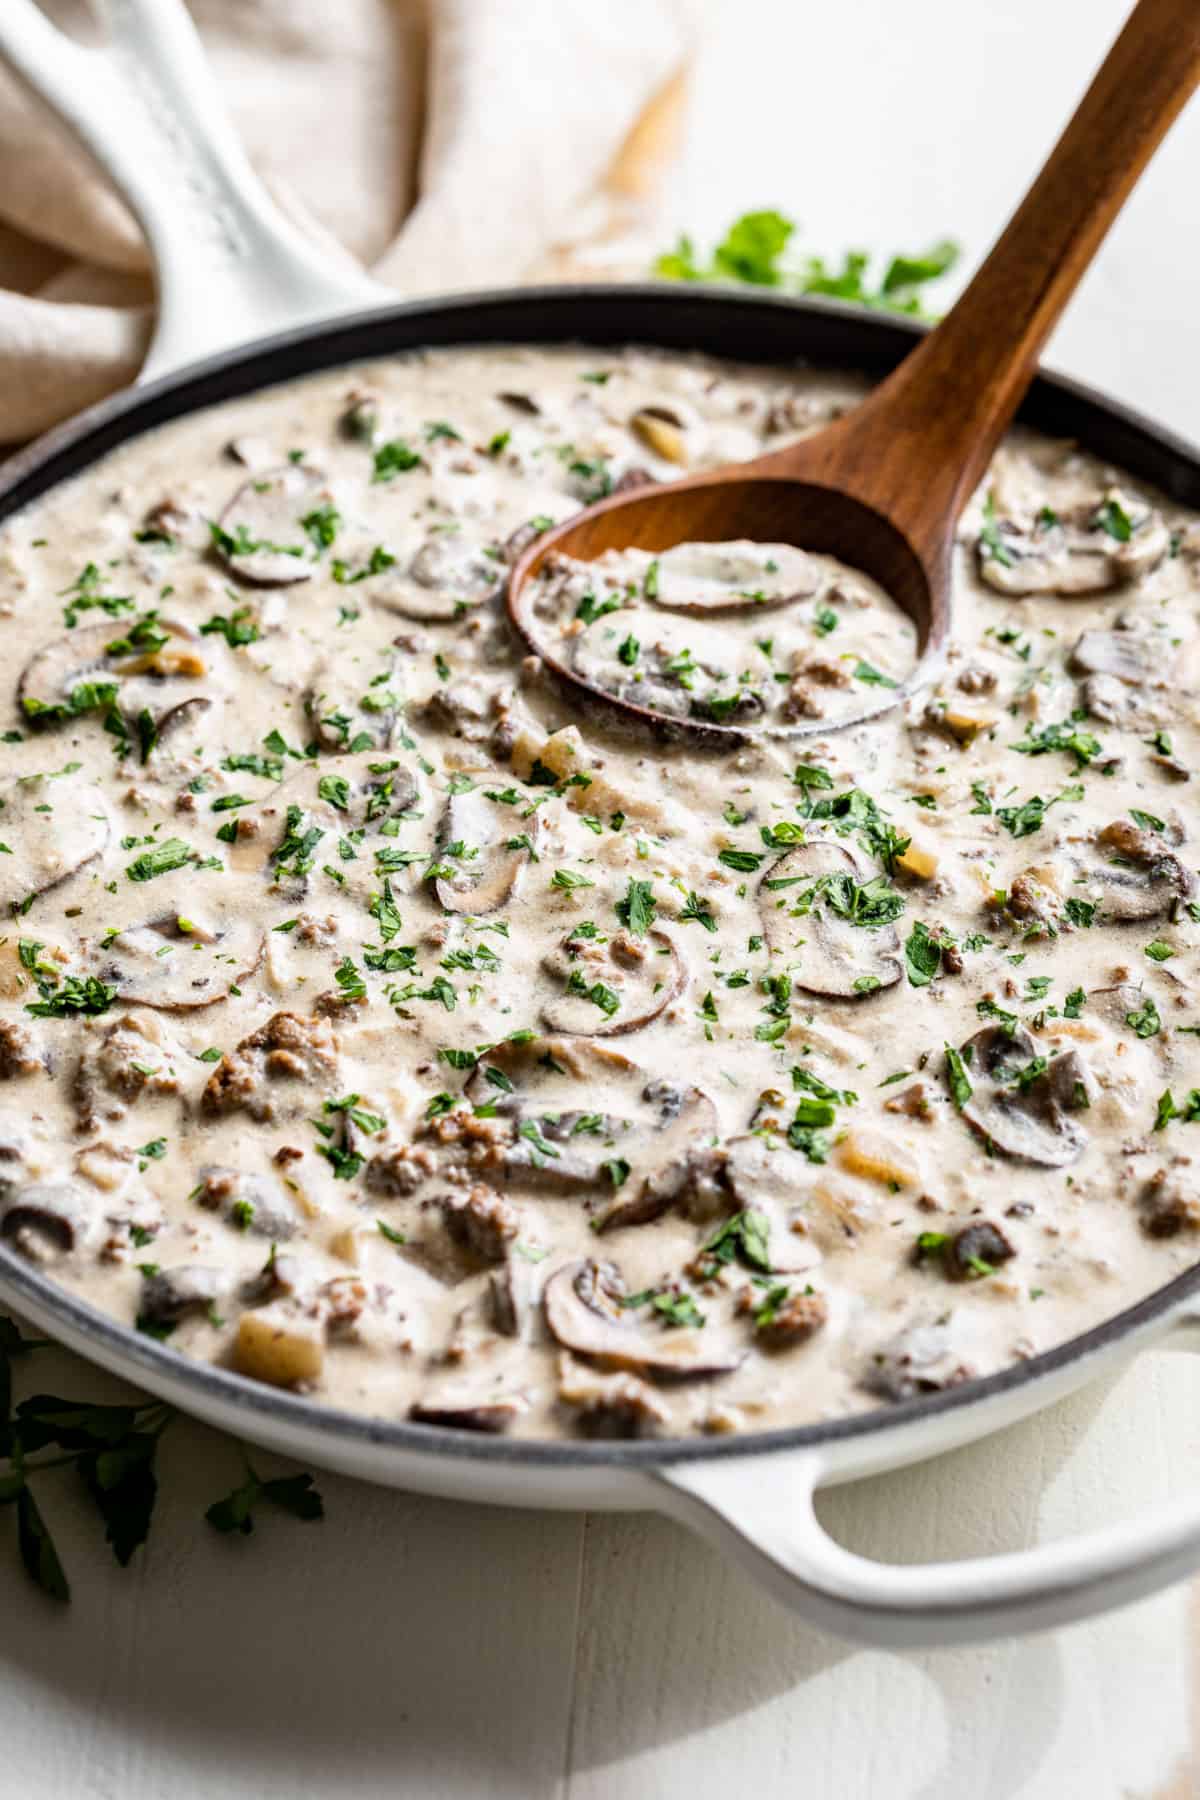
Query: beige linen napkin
(440, 143)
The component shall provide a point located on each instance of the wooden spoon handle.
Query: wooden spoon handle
(919, 445)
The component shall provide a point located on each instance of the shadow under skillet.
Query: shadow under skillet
(408, 1644)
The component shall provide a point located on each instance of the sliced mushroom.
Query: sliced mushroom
(579, 1111)
(1100, 546)
(104, 670)
(513, 1294)
(765, 1176)
(350, 715)
(642, 974)
(582, 1302)
(1025, 1115)
(727, 578)
(250, 1203)
(171, 1294)
(661, 1163)
(447, 576)
(1106, 698)
(826, 952)
(187, 953)
(1139, 873)
(50, 827)
(681, 670)
(465, 1410)
(261, 538)
(522, 403)
(567, 1152)
(921, 1360)
(45, 1219)
(1131, 657)
(481, 855)
(616, 1405)
(337, 794)
(977, 1250)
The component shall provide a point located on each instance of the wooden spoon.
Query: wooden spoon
(883, 487)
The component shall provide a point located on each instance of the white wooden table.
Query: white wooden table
(416, 1648)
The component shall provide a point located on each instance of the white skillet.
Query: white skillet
(230, 269)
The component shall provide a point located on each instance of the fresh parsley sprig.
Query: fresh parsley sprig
(113, 1452)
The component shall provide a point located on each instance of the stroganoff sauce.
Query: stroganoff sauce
(375, 1024)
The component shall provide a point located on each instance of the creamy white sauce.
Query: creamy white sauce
(296, 1134)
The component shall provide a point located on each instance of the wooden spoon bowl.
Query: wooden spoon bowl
(750, 501)
(882, 488)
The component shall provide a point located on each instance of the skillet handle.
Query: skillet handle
(759, 1510)
(145, 107)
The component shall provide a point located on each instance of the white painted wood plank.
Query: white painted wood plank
(401, 1647)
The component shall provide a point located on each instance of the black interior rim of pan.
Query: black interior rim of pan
(745, 327)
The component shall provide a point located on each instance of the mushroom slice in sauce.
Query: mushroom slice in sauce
(581, 1112)
(480, 856)
(921, 1360)
(150, 665)
(767, 1177)
(582, 1302)
(248, 1202)
(661, 1155)
(1132, 657)
(464, 1409)
(45, 1219)
(727, 578)
(1138, 872)
(50, 827)
(1098, 547)
(513, 1294)
(349, 713)
(641, 974)
(1021, 1108)
(681, 670)
(261, 538)
(448, 575)
(339, 794)
(556, 1078)
(186, 952)
(808, 902)
(171, 1294)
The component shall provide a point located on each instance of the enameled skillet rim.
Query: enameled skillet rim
(764, 328)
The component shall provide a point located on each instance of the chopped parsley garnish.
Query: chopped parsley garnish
(75, 994)
(393, 458)
(922, 955)
(1111, 517)
(1066, 735)
(237, 629)
(992, 547)
(171, 854)
(699, 910)
(1144, 1021)
(637, 909)
(956, 1073)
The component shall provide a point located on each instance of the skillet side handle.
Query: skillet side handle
(759, 1510)
(145, 107)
